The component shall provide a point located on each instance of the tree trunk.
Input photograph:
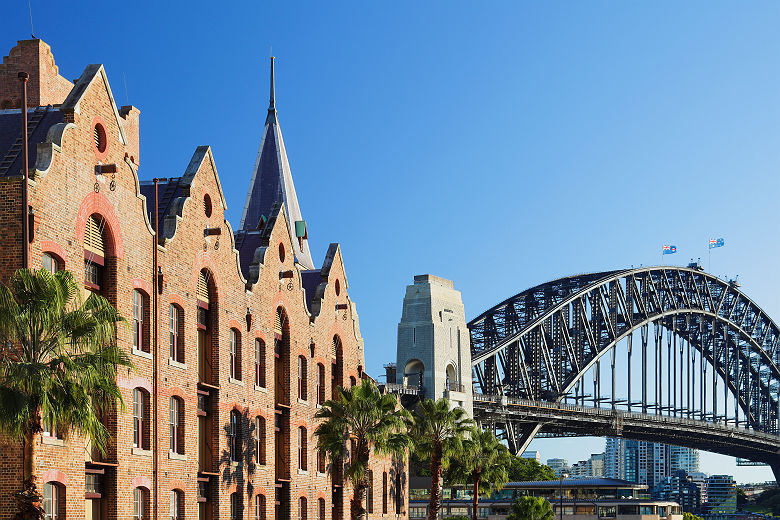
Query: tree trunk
(435, 503)
(476, 496)
(358, 511)
(29, 498)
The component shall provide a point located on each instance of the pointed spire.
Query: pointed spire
(272, 102)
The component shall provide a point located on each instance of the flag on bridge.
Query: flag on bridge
(669, 250)
(716, 242)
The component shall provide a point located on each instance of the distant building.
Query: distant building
(559, 466)
(596, 465)
(533, 454)
(647, 462)
(680, 488)
(721, 495)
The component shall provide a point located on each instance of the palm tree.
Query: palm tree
(371, 421)
(483, 463)
(58, 365)
(438, 433)
(530, 508)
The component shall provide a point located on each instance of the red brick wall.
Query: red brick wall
(45, 86)
(63, 198)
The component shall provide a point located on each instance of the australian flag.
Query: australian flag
(669, 250)
(716, 242)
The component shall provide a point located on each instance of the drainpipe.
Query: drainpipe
(155, 290)
(23, 77)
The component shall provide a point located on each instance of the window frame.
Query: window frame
(303, 463)
(260, 368)
(176, 423)
(235, 435)
(140, 418)
(303, 507)
(320, 384)
(176, 333)
(303, 376)
(235, 354)
(53, 501)
(260, 513)
(260, 440)
(140, 499)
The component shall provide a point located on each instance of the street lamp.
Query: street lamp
(560, 495)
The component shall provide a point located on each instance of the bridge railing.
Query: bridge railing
(401, 389)
(504, 400)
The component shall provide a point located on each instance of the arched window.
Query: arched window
(235, 354)
(370, 492)
(51, 262)
(302, 465)
(141, 418)
(260, 363)
(321, 461)
(177, 425)
(320, 509)
(234, 435)
(337, 370)
(398, 493)
(384, 493)
(302, 508)
(260, 439)
(94, 252)
(452, 379)
(176, 333)
(236, 506)
(282, 382)
(176, 499)
(207, 318)
(302, 377)
(141, 504)
(320, 383)
(414, 371)
(141, 321)
(54, 501)
(259, 507)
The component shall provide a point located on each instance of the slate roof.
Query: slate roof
(168, 190)
(39, 121)
(272, 183)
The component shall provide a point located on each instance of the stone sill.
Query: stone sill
(176, 364)
(141, 353)
(302, 472)
(303, 402)
(141, 452)
(261, 389)
(52, 441)
(237, 382)
(323, 475)
(176, 456)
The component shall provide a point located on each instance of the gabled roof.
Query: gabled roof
(272, 183)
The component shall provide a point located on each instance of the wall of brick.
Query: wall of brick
(64, 193)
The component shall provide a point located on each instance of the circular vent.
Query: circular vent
(99, 134)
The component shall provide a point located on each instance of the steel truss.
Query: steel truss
(538, 345)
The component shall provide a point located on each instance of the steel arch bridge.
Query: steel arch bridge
(705, 362)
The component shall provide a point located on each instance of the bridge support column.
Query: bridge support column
(776, 471)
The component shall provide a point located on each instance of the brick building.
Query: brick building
(236, 336)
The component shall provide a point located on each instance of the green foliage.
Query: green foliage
(371, 420)
(769, 500)
(457, 517)
(437, 433)
(530, 508)
(525, 470)
(483, 459)
(691, 516)
(62, 358)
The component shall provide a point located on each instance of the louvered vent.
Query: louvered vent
(93, 237)
(278, 322)
(335, 347)
(96, 135)
(203, 287)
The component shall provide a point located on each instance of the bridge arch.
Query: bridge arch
(538, 344)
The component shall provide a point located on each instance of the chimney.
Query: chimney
(130, 122)
(45, 87)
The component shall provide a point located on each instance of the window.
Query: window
(397, 496)
(94, 252)
(302, 448)
(53, 503)
(235, 506)
(177, 425)
(140, 504)
(259, 507)
(140, 419)
(51, 263)
(176, 504)
(302, 378)
(260, 363)
(50, 428)
(302, 508)
(384, 493)
(352, 381)
(260, 439)
(320, 461)
(140, 315)
(608, 511)
(320, 509)
(176, 333)
(370, 492)
(235, 354)
(235, 436)
(320, 383)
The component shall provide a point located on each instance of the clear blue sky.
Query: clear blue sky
(498, 144)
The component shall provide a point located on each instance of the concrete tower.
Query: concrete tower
(433, 342)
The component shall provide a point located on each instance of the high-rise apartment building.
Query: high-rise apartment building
(646, 462)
